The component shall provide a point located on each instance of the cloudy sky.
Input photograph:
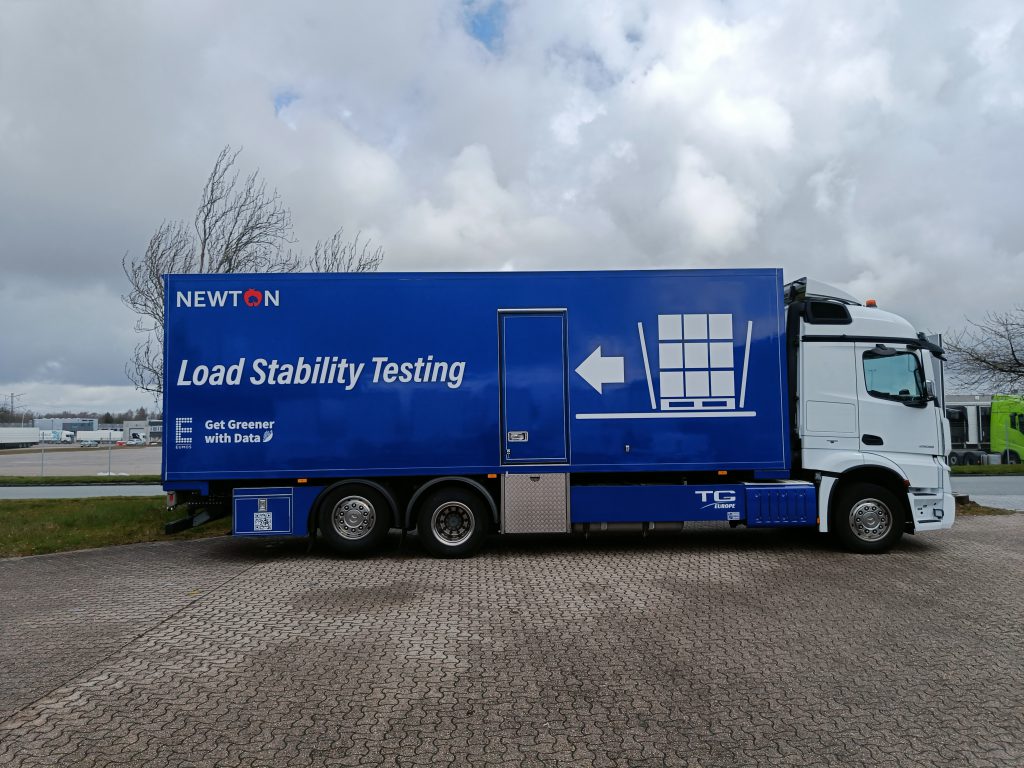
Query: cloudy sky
(875, 145)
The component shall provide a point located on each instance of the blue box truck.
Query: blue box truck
(343, 406)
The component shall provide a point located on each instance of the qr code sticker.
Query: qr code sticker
(261, 521)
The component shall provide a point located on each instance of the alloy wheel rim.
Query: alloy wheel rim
(870, 520)
(453, 523)
(353, 518)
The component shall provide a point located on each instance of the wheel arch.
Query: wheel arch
(314, 508)
(453, 480)
(872, 474)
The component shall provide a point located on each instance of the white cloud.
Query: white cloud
(874, 145)
(712, 211)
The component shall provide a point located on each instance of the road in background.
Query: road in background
(1001, 491)
(126, 460)
(77, 491)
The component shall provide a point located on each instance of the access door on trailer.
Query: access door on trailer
(534, 386)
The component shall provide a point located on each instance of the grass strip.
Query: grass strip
(40, 526)
(971, 509)
(35, 480)
(988, 469)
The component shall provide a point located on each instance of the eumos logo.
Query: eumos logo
(250, 297)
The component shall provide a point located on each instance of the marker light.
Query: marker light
(870, 303)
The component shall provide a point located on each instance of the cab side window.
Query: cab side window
(893, 375)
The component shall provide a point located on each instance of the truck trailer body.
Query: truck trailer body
(986, 429)
(18, 437)
(99, 435)
(457, 403)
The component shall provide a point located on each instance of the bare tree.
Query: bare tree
(989, 354)
(240, 226)
(336, 254)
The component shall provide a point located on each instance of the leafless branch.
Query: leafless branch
(336, 254)
(241, 225)
(989, 354)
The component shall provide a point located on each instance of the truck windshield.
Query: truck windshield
(1020, 421)
(893, 375)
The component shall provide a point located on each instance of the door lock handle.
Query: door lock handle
(871, 440)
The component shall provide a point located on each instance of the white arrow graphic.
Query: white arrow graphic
(598, 371)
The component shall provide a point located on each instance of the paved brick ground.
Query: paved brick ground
(717, 648)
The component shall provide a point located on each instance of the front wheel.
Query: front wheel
(354, 519)
(868, 519)
(1011, 457)
(452, 522)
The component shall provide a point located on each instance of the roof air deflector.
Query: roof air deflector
(807, 288)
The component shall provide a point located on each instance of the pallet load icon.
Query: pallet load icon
(697, 368)
(696, 362)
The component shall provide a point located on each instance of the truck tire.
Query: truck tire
(452, 522)
(1010, 457)
(354, 519)
(868, 518)
(954, 459)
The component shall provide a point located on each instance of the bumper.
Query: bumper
(932, 511)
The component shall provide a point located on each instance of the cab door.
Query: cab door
(897, 420)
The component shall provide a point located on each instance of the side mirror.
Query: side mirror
(929, 389)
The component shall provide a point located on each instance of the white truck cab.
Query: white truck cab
(869, 427)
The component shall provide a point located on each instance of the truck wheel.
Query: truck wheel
(868, 519)
(954, 459)
(354, 519)
(452, 522)
(1010, 457)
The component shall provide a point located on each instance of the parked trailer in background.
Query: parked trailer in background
(18, 437)
(986, 429)
(99, 435)
(453, 404)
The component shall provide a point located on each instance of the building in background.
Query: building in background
(148, 430)
(74, 424)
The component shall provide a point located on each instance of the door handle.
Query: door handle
(871, 440)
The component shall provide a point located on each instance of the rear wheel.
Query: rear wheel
(954, 459)
(452, 522)
(354, 519)
(868, 518)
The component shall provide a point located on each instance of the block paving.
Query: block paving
(707, 648)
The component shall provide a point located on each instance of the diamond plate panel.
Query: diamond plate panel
(535, 503)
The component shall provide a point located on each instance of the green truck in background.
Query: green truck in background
(983, 426)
